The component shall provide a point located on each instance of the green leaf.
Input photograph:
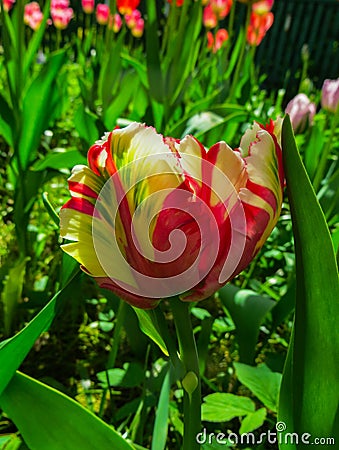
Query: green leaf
(120, 102)
(11, 294)
(253, 421)
(310, 389)
(37, 108)
(85, 124)
(48, 419)
(147, 327)
(131, 375)
(36, 39)
(154, 73)
(262, 382)
(247, 310)
(109, 76)
(220, 407)
(160, 429)
(14, 350)
(285, 305)
(7, 121)
(60, 159)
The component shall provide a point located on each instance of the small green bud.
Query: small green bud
(190, 382)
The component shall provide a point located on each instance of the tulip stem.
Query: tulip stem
(191, 381)
(240, 62)
(324, 154)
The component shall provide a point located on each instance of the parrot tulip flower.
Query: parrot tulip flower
(153, 217)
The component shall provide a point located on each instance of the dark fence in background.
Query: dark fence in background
(299, 22)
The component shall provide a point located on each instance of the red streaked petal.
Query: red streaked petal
(80, 204)
(82, 189)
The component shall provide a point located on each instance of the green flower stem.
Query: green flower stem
(325, 153)
(191, 381)
(159, 320)
(114, 351)
(241, 55)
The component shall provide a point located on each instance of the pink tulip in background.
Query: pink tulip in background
(132, 18)
(138, 29)
(33, 15)
(115, 22)
(301, 111)
(330, 95)
(61, 13)
(102, 13)
(88, 6)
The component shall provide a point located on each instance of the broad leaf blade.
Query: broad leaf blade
(48, 419)
(247, 310)
(147, 327)
(262, 382)
(37, 108)
(310, 396)
(160, 429)
(220, 407)
(14, 350)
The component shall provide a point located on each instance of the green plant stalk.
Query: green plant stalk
(325, 153)
(241, 56)
(190, 361)
(114, 351)
(159, 320)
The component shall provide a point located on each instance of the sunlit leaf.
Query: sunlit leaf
(310, 388)
(147, 327)
(247, 310)
(262, 382)
(48, 419)
(220, 407)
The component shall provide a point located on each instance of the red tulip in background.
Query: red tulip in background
(153, 217)
(258, 27)
(127, 6)
(216, 43)
(177, 3)
(8, 4)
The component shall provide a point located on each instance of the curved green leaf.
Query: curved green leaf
(48, 419)
(310, 388)
(37, 108)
